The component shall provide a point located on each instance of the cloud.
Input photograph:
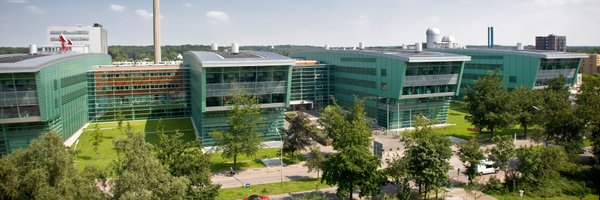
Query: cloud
(361, 22)
(189, 5)
(16, 1)
(117, 8)
(553, 3)
(145, 14)
(35, 10)
(217, 17)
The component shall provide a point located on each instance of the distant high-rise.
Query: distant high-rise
(94, 37)
(551, 42)
(590, 65)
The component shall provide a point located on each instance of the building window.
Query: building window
(384, 86)
(384, 72)
(513, 79)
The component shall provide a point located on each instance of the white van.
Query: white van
(486, 167)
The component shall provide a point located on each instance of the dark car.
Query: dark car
(256, 197)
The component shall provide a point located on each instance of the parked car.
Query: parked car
(486, 167)
(256, 197)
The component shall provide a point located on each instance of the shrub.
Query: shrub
(494, 186)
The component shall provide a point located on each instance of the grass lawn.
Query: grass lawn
(110, 132)
(456, 115)
(220, 164)
(525, 197)
(270, 189)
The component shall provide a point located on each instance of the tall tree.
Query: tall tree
(315, 160)
(525, 103)
(488, 104)
(139, 175)
(588, 110)
(471, 155)
(186, 159)
(561, 122)
(428, 156)
(398, 169)
(539, 167)
(502, 151)
(353, 166)
(96, 139)
(300, 133)
(44, 170)
(243, 136)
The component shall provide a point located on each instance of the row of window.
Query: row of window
(356, 70)
(73, 95)
(427, 89)
(156, 74)
(355, 82)
(263, 99)
(71, 80)
(69, 32)
(350, 59)
(494, 67)
(75, 39)
(551, 64)
(420, 70)
(246, 77)
(476, 76)
(139, 87)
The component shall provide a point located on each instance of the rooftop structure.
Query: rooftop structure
(591, 65)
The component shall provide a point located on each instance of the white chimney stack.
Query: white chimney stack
(418, 47)
(235, 48)
(214, 47)
(520, 46)
(326, 47)
(361, 46)
(156, 31)
(33, 49)
(404, 46)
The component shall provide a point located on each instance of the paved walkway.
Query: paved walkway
(263, 175)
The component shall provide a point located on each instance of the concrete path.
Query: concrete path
(256, 176)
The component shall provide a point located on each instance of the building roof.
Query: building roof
(244, 58)
(535, 53)
(410, 56)
(109, 68)
(29, 63)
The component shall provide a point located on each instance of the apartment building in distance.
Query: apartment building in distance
(551, 42)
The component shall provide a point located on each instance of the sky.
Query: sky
(306, 22)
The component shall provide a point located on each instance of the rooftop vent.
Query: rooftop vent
(361, 46)
(326, 47)
(33, 49)
(520, 46)
(214, 47)
(235, 48)
(418, 47)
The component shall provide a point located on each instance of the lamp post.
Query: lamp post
(280, 156)
(521, 194)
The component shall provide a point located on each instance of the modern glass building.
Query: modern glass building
(41, 93)
(138, 92)
(312, 85)
(530, 69)
(396, 85)
(213, 76)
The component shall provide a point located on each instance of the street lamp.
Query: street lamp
(280, 156)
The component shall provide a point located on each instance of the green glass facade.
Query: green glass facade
(53, 98)
(212, 85)
(517, 68)
(312, 85)
(138, 92)
(394, 90)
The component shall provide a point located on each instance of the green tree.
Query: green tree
(399, 171)
(502, 152)
(96, 139)
(300, 133)
(561, 122)
(539, 167)
(120, 118)
(428, 156)
(353, 166)
(588, 110)
(140, 175)
(524, 103)
(315, 160)
(243, 136)
(471, 155)
(45, 170)
(488, 104)
(186, 159)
